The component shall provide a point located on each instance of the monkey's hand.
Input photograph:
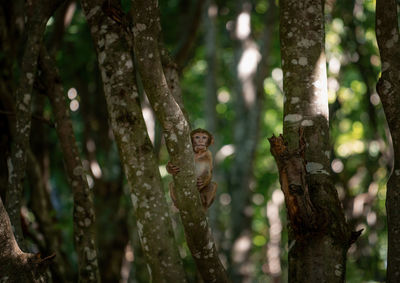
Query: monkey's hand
(172, 169)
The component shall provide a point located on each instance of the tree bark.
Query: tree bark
(44, 212)
(177, 136)
(83, 213)
(273, 254)
(15, 265)
(38, 14)
(388, 87)
(318, 233)
(112, 36)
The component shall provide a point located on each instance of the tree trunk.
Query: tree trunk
(251, 71)
(112, 37)
(318, 233)
(38, 14)
(15, 265)
(83, 214)
(210, 26)
(111, 227)
(176, 133)
(388, 87)
(45, 214)
(274, 206)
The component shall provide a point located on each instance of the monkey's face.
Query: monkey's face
(200, 142)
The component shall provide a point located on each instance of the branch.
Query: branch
(176, 132)
(36, 117)
(62, 20)
(210, 101)
(84, 228)
(45, 214)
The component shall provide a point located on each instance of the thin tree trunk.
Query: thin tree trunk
(210, 103)
(211, 76)
(318, 233)
(275, 237)
(182, 57)
(251, 71)
(388, 87)
(111, 227)
(38, 14)
(368, 75)
(83, 214)
(247, 104)
(138, 272)
(8, 38)
(177, 136)
(41, 205)
(43, 210)
(136, 152)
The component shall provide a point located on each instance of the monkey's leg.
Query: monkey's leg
(172, 194)
(208, 195)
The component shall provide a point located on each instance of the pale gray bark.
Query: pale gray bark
(176, 132)
(38, 13)
(112, 42)
(388, 87)
(319, 248)
(172, 77)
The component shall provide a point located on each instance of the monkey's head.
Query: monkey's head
(201, 140)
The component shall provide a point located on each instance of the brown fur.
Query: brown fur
(203, 167)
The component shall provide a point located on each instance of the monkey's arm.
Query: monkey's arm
(204, 179)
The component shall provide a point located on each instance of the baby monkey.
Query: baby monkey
(201, 140)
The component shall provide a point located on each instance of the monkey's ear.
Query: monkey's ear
(211, 140)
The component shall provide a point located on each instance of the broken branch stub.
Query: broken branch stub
(292, 176)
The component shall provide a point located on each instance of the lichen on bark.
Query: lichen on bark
(318, 249)
(177, 135)
(112, 40)
(38, 13)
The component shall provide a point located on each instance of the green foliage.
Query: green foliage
(361, 158)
